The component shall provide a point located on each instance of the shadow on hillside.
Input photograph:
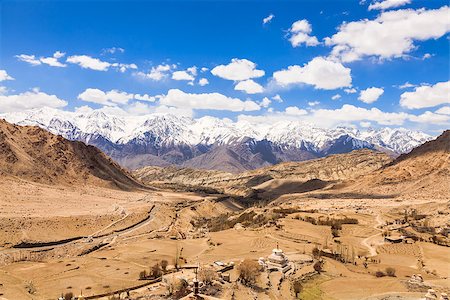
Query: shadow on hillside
(293, 188)
(350, 196)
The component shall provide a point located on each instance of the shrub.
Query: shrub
(177, 287)
(335, 232)
(390, 271)
(68, 296)
(156, 271)
(207, 275)
(379, 274)
(318, 267)
(29, 286)
(143, 274)
(316, 252)
(336, 226)
(248, 271)
(164, 264)
(297, 287)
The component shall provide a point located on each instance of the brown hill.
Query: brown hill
(33, 154)
(287, 177)
(422, 173)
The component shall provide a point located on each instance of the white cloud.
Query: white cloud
(203, 82)
(350, 91)
(238, 70)
(277, 98)
(178, 111)
(319, 72)
(123, 67)
(386, 4)
(146, 97)
(84, 61)
(299, 34)
(426, 56)
(113, 50)
(4, 76)
(265, 102)
(350, 113)
(182, 75)
(346, 115)
(295, 111)
(336, 97)
(391, 34)
(192, 70)
(59, 54)
(204, 69)
(51, 61)
(113, 97)
(31, 59)
(214, 101)
(370, 95)
(87, 62)
(406, 85)
(427, 96)
(365, 124)
(443, 110)
(139, 108)
(249, 86)
(157, 73)
(430, 118)
(187, 75)
(29, 100)
(268, 19)
(313, 103)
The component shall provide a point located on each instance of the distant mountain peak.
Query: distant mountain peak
(176, 139)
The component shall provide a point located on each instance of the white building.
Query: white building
(278, 261)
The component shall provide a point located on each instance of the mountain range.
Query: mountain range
(211, 143)
(423, 173)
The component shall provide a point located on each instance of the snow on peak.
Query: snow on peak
(171, 129)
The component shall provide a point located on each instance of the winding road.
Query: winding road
(105, 238)
(370, 242)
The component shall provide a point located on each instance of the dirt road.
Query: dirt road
(371, 242)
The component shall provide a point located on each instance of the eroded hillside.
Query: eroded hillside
(31, 153)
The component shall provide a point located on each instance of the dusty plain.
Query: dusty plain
(134, 230)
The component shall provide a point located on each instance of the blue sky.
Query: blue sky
(385, 47)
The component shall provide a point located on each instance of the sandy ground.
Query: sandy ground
(137, 229)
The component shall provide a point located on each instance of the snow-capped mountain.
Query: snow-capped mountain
(162, 139)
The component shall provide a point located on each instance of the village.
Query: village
(288, 274)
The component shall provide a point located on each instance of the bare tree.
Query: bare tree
(156, 271)
(164, 264)
(390, 271)
(297, 287)
(318, 266)
(207, 275)
(248, 271)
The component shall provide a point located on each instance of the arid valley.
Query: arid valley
(353, 226)
(224, 150)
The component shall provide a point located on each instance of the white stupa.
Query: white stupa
(278, 261)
